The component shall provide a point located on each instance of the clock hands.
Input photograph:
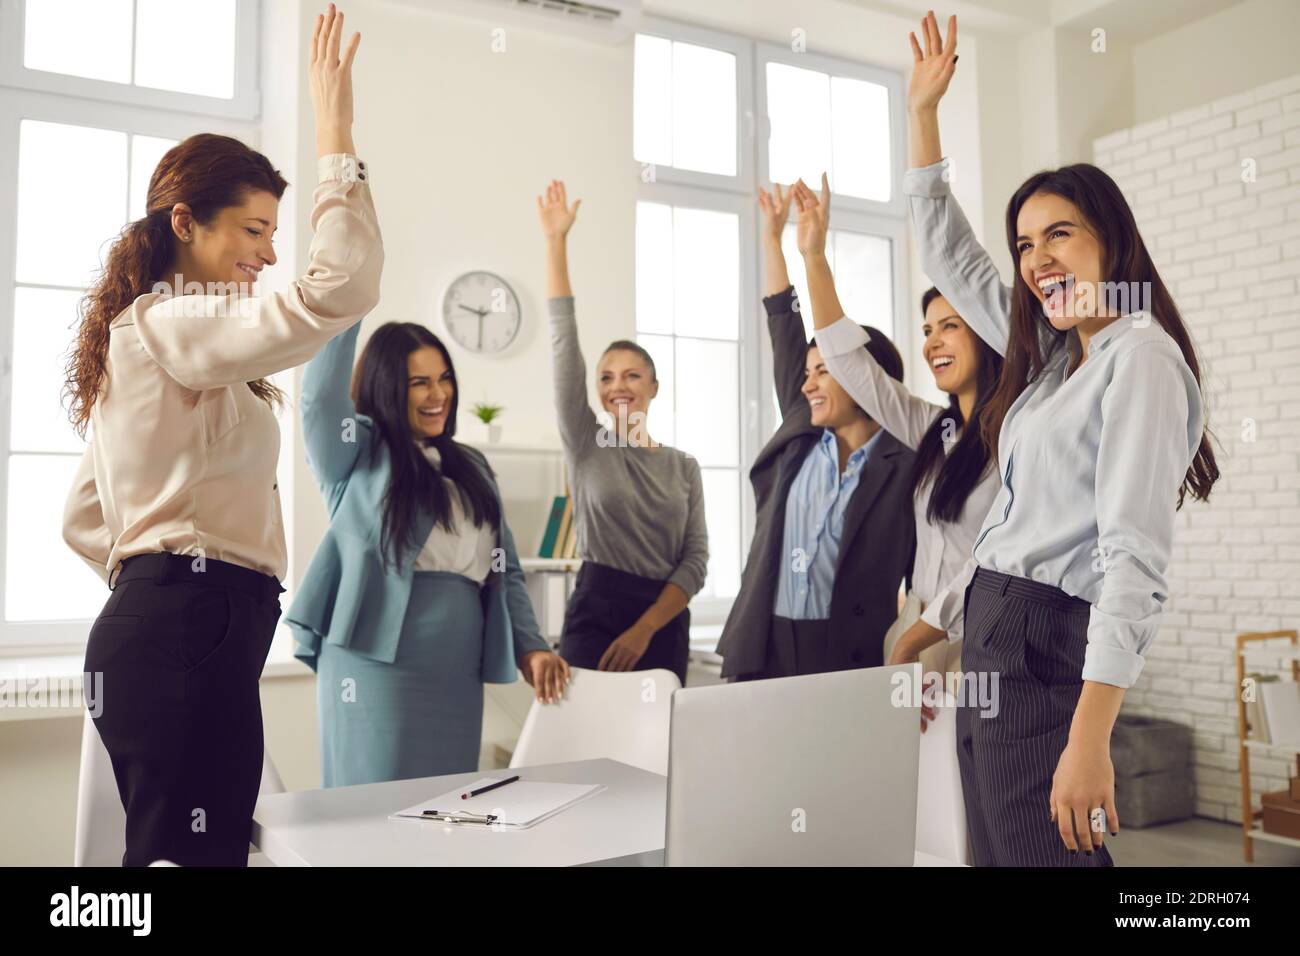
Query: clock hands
(479, 312)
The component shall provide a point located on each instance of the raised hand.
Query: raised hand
(814, 217)
(554, 211)
(331, 83)
(776, 210)
(933, 69)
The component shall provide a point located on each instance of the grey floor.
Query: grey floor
(1195, 842)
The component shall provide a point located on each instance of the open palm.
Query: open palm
(554, 211)
(932, 69)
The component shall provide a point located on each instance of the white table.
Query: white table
(349, 826)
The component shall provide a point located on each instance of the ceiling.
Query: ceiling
(1132, 19)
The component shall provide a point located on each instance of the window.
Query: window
(136, 51)
(84, 142)
(713, 116)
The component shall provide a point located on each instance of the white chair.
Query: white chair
(940, 810)
(622, 715)
(101, 821)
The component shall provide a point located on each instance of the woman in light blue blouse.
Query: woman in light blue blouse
(415, 597)
(1098, 430)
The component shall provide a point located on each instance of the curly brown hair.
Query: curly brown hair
(208, 173)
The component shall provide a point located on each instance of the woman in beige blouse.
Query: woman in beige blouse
(175, 503)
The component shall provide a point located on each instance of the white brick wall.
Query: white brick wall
(1230, 252)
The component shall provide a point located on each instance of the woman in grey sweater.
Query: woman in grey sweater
(639, 505)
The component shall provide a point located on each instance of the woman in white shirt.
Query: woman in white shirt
(1098, 429)
(178, 487)
(953, 479)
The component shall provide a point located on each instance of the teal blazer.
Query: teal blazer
(347, 597)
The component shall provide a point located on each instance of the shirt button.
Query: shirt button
(360, 164)
(361, 176)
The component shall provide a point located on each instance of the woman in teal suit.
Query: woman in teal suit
(415, 597)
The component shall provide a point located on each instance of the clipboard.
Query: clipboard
(517, 806)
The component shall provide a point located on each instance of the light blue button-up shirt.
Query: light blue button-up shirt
(1091, 462)
(814, 526)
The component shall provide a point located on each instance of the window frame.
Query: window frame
(743, 50)
(766, 53)
(246, 103)
(759, 417)
(711, 610)
(69, 635)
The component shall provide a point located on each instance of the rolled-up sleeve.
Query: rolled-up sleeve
(212, 340)
(693, 567)
(1151, 427)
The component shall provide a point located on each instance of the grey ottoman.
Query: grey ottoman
(1153, 771)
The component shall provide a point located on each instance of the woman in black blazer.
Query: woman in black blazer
(834, 535)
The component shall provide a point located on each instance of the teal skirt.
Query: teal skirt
(420, 716)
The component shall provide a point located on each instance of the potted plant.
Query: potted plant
(487, 414)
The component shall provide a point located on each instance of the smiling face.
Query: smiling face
(624, 381)
(234, 246)
(830, 405)
(950, 348)
(1060, 259)
(430, 392)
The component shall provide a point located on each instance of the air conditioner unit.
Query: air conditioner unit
(603, 21)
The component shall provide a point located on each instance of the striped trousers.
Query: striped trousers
(1033, 637)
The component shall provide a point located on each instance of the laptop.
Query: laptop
(818, 770)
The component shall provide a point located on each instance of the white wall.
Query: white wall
(1230, 252)
(1238, 49)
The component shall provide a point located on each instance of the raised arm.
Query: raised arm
(210, 341)
(331, 432)
(569, 372)
(842, 341)
(950, 255)
(84, 530)
(784, 322)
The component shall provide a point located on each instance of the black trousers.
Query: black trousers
(1033, 637)
(180, 645)
(605, 603)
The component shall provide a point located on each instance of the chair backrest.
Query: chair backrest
(940, 808)
(622, 715)
(101, 821)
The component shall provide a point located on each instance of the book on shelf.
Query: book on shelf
(551, 533)
(1279, 702)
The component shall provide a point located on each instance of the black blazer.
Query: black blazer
(876, 548)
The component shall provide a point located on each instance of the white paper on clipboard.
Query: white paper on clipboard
(518, 805)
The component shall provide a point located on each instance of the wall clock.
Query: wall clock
(481, 312)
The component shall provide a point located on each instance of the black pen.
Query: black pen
(491, 786)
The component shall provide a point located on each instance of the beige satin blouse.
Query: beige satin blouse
(183, 456)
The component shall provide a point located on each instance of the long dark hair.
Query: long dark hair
(1126, 260)
(380, 389)
(208, 173)
(960, 470)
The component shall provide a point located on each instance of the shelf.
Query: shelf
(1257, 833)
(550, 564)
(1292, 748)
(1272, 654)
(509, 449)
